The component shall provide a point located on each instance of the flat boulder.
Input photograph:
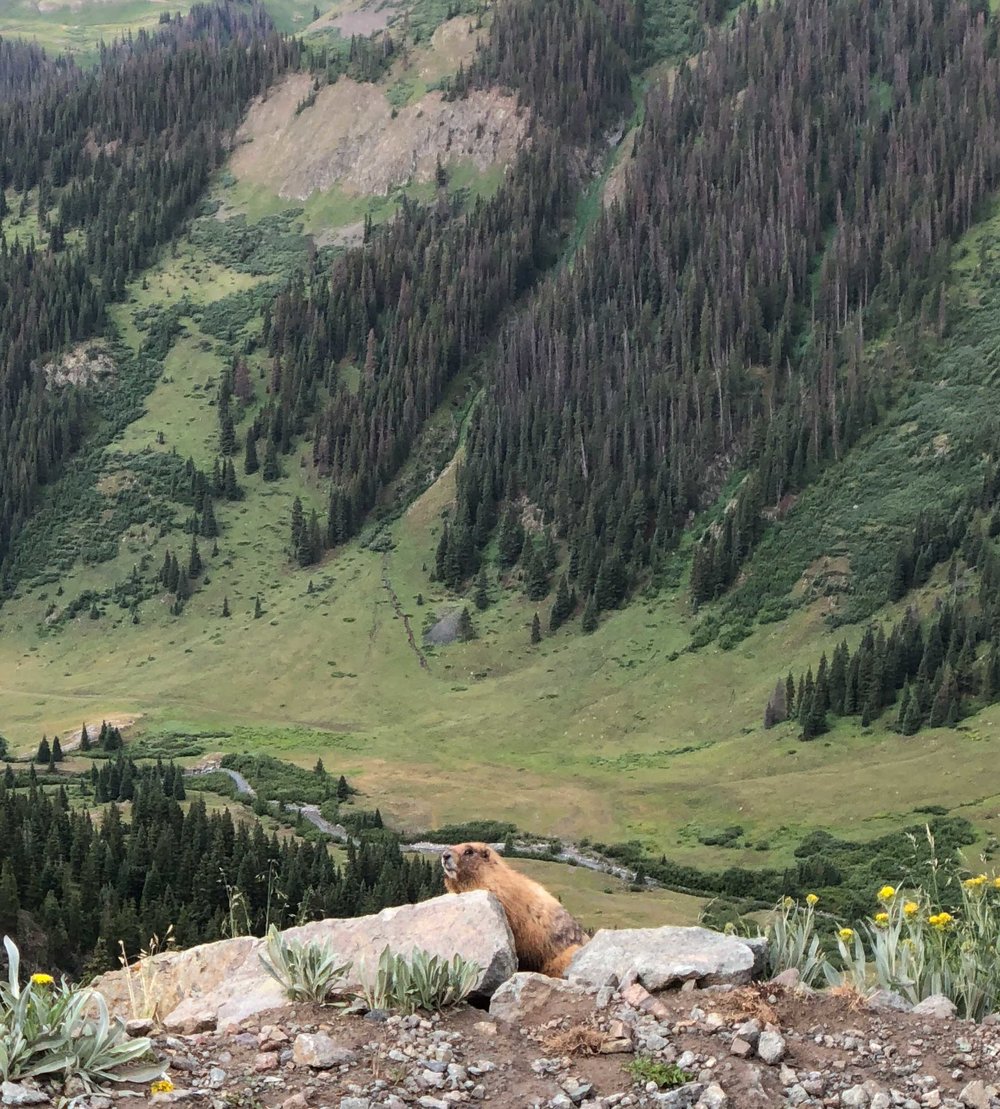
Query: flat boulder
(661, 957)
(226, 979)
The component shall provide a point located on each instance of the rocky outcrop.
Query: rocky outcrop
(660, 957)
(224, 983)
(352, 137)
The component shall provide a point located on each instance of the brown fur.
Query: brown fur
(545, 936)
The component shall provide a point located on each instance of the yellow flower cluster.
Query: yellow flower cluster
(881, 919)
(811, 899)
(975, 883)
(911, 908)
(940, 920)
(846, 934)
(887, 893)
(162, 1086)
(42, 980)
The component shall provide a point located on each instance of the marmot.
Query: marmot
(545, 936)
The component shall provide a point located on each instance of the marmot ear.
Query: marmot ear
(485, 852)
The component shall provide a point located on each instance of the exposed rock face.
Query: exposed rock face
(86, 364)
(226, 980)
(351, 137)
(658, 957)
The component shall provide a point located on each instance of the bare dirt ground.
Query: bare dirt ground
(575, 1049)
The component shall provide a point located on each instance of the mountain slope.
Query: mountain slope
(633, 732)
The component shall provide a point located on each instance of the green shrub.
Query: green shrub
(645, 1069)
(49, 1029)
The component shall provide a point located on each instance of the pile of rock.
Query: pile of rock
(649, 1017)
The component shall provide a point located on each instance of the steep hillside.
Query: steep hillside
(388, 426)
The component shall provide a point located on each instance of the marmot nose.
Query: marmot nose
(446, 856)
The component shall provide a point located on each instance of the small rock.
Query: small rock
(484, 1028)
(771, 1048)
(713, 1097)
(216, 1078)
(191, 1023)
(684, 1097)
(355, 1103)
(576, 1091)
(856, 1097)
(888, 999)
(787, 1076)
(977, 1095)
(14, 1093)
(319, 1051)
(296, 1101)
(937, 1005)
(741, 1048)
(139, 1026)
(749, 1031)
(789, 978)
(266, 1060)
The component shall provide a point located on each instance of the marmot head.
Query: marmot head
(467, 865)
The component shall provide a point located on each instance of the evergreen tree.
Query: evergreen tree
(10, 901)
(44, 753)
(536, 576)
(84, 739)
(510, 540)
(562, 606)
(536, 629)
(271, 470)
(194, 559)
(913, 717)
(466, 631)
(209, 527)
(250, 463)
(57, 751)
(482, 596)
(258, 610)
(225, 606)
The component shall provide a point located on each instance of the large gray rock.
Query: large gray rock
(527, 993)
(226, 979)
(660, 957)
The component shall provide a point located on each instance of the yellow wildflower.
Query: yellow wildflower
(811, 899)
(911, 908)
(43, 980)
(881, 919)
(788, 902)
(162, 1086)
(940, 920)
(846, 934)
(887, 893)
(996, 883)
(975, 883)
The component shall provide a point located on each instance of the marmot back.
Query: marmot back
(545, 936)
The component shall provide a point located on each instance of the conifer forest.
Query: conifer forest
(541, 411)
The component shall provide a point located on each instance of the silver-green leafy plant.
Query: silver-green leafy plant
(305, 971)
(792, 940)
(55, 1028)
(418, 981)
